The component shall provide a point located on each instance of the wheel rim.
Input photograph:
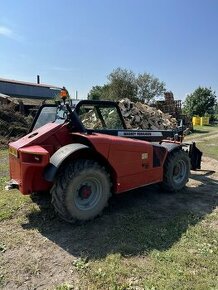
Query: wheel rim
(179, 171)
(88, 193)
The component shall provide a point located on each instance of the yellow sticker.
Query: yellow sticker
(13, 151)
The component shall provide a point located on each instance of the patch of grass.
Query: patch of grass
(64, 286)
(4, 163)
(10, 202)
(109, 273)
(205, 140)
(191, 263)
(200, 131)
(209, 147)
(80, 264)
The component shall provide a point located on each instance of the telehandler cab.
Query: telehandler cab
(82, 153)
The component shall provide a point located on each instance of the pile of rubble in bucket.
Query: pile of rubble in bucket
(141, 116)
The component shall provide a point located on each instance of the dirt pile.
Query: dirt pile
(13, 125)
(141, 116)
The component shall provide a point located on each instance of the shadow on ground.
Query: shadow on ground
(134, 223)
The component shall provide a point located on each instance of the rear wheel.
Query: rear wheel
(176, 170)
(81, 191)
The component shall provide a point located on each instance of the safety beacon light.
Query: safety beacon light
(63, 94)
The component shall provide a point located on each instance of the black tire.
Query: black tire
(176, 171)
(82, 191)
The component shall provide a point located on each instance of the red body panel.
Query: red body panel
(52, 135)
(33, 154)
(131, 159)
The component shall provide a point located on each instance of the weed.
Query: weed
(1, 279)
(3, 248)
(80, 263)
(64, 286)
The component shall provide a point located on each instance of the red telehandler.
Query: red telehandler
(82, 153)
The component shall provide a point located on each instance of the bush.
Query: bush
(12, 123)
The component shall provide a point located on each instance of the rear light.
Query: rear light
(34, 154)
(31, 158)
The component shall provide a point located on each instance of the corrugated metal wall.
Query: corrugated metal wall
(30, 91)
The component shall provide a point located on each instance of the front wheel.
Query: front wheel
(81, 191)
(176, 170)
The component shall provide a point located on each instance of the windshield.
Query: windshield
(47, 115)
(94, 116)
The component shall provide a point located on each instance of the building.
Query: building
(25, 94)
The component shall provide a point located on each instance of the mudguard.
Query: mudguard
(170, 146)
(194, 153)
(58, 157)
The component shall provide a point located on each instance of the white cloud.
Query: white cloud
(5, 31)
(9, 33)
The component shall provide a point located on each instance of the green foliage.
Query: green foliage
(149, 87)
(215, 116)
(201, 102)
(96, 93)
(124, 83)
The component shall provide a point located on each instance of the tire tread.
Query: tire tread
(59, 189)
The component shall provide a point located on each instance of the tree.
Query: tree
(216, 109)
(122, 84)
(149, 87)
(99, 93)
(202, 101)
(95, 93)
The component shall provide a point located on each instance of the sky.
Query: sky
(77, 43)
